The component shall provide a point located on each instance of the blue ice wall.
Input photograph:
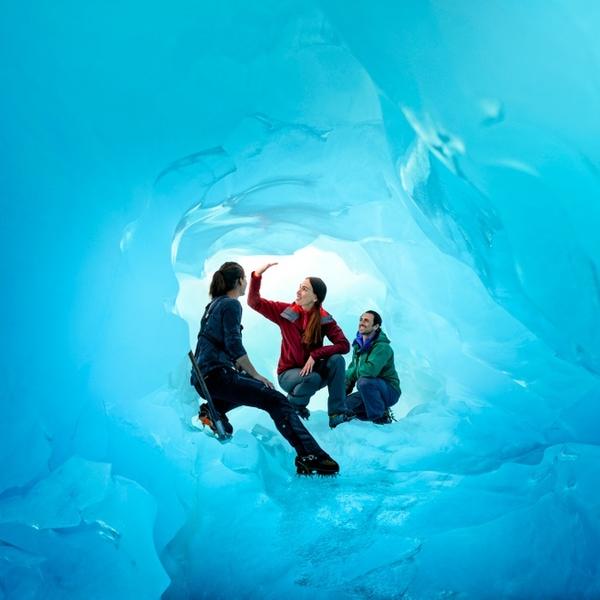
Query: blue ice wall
(441, 158)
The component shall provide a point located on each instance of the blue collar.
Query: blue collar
(365, 345)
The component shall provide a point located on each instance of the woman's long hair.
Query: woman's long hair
(313, 335)
(225, 279)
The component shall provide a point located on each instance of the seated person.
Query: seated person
(372, 370)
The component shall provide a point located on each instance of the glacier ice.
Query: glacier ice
(437, 161)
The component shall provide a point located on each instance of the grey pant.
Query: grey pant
(300, 389)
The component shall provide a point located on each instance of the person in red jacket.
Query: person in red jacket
(305, 364)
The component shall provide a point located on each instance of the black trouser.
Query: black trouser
(230, 389)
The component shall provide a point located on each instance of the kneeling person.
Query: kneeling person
(372, 370)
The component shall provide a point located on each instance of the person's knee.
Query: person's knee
(312, 380)
(298, 401)
(336, 361)
(307, 387)
(365, 382)
(289, 379)
(269, 396)
(277, 403)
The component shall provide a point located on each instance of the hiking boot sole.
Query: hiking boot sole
(305, 472)
(326, 470)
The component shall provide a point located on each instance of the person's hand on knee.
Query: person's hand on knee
(308, 367)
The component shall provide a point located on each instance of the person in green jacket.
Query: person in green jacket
(372, 370)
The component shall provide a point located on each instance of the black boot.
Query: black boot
(335, 420)
(204, 417)
(386, 418)
(319, 465)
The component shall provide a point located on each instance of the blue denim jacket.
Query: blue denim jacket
(220, 338)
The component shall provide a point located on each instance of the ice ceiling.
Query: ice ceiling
(438, 161)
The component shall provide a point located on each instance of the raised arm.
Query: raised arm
(264, 268)
(268, 308)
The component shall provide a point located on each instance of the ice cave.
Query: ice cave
(437, 161)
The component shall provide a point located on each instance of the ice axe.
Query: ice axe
(220, 432)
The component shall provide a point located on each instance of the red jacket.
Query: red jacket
(292, 320)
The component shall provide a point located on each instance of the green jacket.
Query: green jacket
(377, 361)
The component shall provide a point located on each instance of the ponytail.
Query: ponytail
(225, 279)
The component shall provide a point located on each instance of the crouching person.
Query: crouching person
(372, 370)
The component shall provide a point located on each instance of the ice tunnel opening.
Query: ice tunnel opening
(353, 281)
(262, 201)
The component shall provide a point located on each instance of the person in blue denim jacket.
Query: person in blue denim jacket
(233, 381)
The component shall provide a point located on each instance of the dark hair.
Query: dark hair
(225, 279)
(376, 317)
(319, 288)
(313, 335)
